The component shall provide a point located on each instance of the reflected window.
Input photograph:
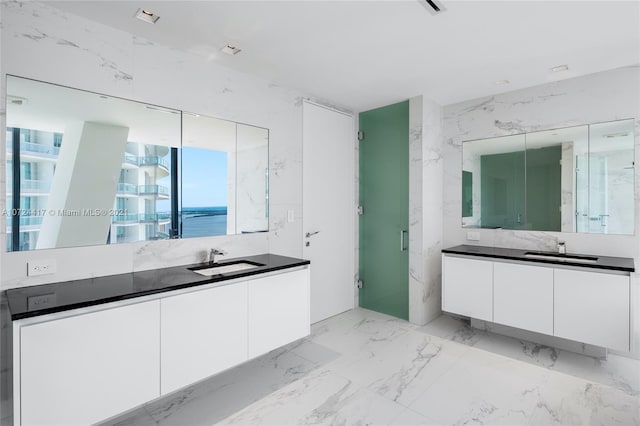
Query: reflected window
(141, 209)
(205, 192)
(106, 170)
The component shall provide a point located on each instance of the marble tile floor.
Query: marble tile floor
(362, 367)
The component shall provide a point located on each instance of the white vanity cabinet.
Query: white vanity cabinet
(523, 296)
(587, 305)
(469, 287)
(202, 333)
(85, 368)
(278, 311)
(592, 307)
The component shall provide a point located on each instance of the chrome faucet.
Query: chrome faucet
(212, 255)
(562, 247)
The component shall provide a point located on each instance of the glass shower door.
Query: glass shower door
(384, 196)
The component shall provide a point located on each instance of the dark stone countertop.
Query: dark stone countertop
(64, 296)
(602, 262)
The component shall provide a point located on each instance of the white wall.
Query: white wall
(43, 43)
(606, 96)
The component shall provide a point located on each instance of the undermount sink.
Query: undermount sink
(225, 268)
(561, 257)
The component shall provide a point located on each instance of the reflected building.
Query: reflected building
(141, 208)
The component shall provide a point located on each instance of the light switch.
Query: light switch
(290, 216)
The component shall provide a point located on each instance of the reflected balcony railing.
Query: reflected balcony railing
(131, 159)
(155, 217)
(153, 190)
(127, 239)
(27, 223)
(30, 220)
(159, 236)
(153, 161)
(127, 188)
(124, 218)
(35, 148)
(147, 161)
(30, 186)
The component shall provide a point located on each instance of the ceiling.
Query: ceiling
(367, 53)
(41, 109)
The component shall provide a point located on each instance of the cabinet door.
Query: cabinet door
(523, 296)
(83, 369)
(467, 287)
(278, 311)
(592, 308)
(203, 333)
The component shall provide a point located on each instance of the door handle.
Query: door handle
(402, 244)
(310, 234)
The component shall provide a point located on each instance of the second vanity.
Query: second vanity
(576, 297)
(86, 350)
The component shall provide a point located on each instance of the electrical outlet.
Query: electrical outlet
(35, 303)
(41, 267)
(473, 235)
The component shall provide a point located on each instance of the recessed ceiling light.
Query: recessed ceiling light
(147, 16)
(16, 100)
(168, 111)
(560, 68)
(616, 135)
(231, 50)
(502, 82)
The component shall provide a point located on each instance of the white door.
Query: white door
(329, 208)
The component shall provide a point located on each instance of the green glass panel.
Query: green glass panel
(384, 194)
(467, 194)
(544, 188)
(502, 183)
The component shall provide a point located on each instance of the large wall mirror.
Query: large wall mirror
(88, 169)
(575, 179)
(224, 177)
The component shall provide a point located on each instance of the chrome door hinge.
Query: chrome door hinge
(360, 210)
(360, 135)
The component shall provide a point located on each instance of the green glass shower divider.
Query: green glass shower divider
(384, 196)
